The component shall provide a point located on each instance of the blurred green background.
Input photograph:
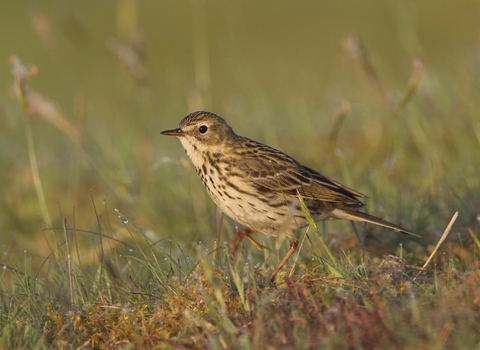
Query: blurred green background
(116, 73)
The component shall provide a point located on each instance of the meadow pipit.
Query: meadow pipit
(259, 186)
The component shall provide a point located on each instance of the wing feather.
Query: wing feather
(281, 173)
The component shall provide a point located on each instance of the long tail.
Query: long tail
(360, 216)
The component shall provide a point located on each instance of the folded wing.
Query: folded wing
(289, 176)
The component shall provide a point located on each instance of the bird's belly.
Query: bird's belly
(272, 217)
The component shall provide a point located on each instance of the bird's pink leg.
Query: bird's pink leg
(237, 239)
(293, 247)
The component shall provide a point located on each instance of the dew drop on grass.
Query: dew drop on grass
(4, 267)
(125, 222)
(119, 217)
(165, 259)
(130, 250)
(116, 210)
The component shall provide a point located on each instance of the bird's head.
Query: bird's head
(202, 131)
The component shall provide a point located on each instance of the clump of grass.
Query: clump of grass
(144, 296)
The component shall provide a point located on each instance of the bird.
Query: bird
(261, 187)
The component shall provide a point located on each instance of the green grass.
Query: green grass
(139, 294)
(109, 240)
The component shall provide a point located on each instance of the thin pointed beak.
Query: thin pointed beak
(173, 132)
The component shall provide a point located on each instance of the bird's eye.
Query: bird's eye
(203, 129)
